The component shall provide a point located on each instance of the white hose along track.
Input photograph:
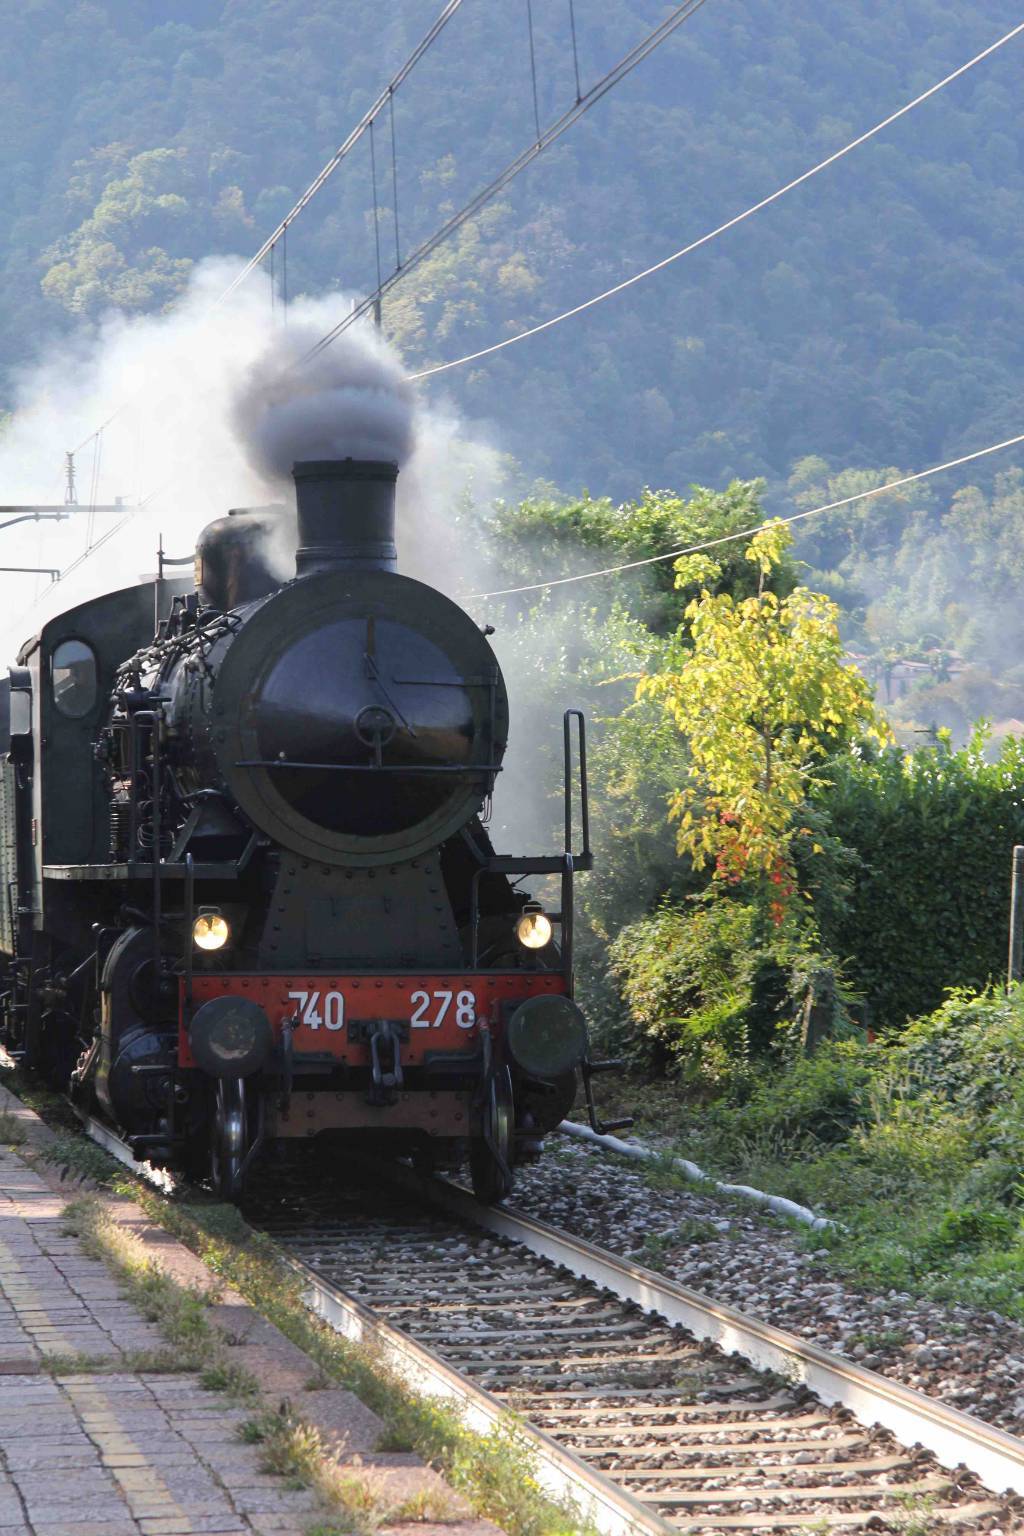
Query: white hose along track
(636, 1152)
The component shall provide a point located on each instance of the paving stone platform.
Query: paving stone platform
(126, 1452)
(108, 1453)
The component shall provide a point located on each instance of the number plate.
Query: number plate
(437, 1012)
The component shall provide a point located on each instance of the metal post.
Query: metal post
(1015, 966)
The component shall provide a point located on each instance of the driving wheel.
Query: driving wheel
(230, 1141)
(490, 1154)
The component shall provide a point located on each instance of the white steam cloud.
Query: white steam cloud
(348, 401)
(210, 405)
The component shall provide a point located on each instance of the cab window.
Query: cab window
(75, 683)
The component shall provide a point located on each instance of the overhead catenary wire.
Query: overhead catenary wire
(601, 87)
(394, 178)
(547, 137)
(94, 488)
(745, 533)
(618, 72)
(376, 209)
(721, 229)
(533, 67)
(575, 49)
(386, 96)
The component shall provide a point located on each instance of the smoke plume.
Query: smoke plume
(202, 409)
(348, 401)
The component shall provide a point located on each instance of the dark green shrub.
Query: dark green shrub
(714, 982)
(927, 907)
(970, 1227)
(821, 1096)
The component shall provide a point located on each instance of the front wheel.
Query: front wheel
(490, 1154)
(229, 1140)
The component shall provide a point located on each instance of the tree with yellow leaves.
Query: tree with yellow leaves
(764, 695)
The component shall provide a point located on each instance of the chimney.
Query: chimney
(346, 515)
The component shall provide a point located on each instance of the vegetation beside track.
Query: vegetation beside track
(494, 1471)
(915, 1145)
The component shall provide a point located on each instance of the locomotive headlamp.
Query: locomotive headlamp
(533, 930)
(547, 1036)
(211, 929)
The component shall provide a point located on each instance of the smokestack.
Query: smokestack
(346, 515)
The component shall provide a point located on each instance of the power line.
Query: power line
(618, 72)
(578, 309)
(328, 170)
(746, 533)
(386, 96)
(533, 68)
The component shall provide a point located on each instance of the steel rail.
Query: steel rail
(954, 1438)
(561, 1473)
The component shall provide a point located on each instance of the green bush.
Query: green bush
(714, 983)
(915, 1146)
(926, 907)
(817, 1098)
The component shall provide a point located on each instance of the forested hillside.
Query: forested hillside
(872, 318)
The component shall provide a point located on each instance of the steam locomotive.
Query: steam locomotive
(251, 899)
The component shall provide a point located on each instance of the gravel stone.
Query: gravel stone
(755, 1265)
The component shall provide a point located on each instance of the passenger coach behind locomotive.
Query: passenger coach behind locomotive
(251, 897)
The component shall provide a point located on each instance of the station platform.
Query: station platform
(90, 1446)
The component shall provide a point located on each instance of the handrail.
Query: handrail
(585, 858)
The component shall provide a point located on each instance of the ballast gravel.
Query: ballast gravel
(971, 1360)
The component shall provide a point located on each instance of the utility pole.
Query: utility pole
(1015, 964)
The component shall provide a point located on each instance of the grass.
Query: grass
(12, 1132)
(290, 1449)
(146, 1362)
(179, 1312)
(494, 1472)
(657, 1247)
(74, 1154)
(914, 1147)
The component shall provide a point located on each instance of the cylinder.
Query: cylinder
(346, 512)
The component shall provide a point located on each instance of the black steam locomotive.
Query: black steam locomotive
(250, 894)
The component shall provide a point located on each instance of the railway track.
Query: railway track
(648, 1423)
(654, 1408)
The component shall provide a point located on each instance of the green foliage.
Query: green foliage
(586, 647)
(816, 1098)
(760, 688)
(712, 984)
(121, 254)
(915, 1146)
(548, 536)
(809, 331)
(932, 834)
(929, 582)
